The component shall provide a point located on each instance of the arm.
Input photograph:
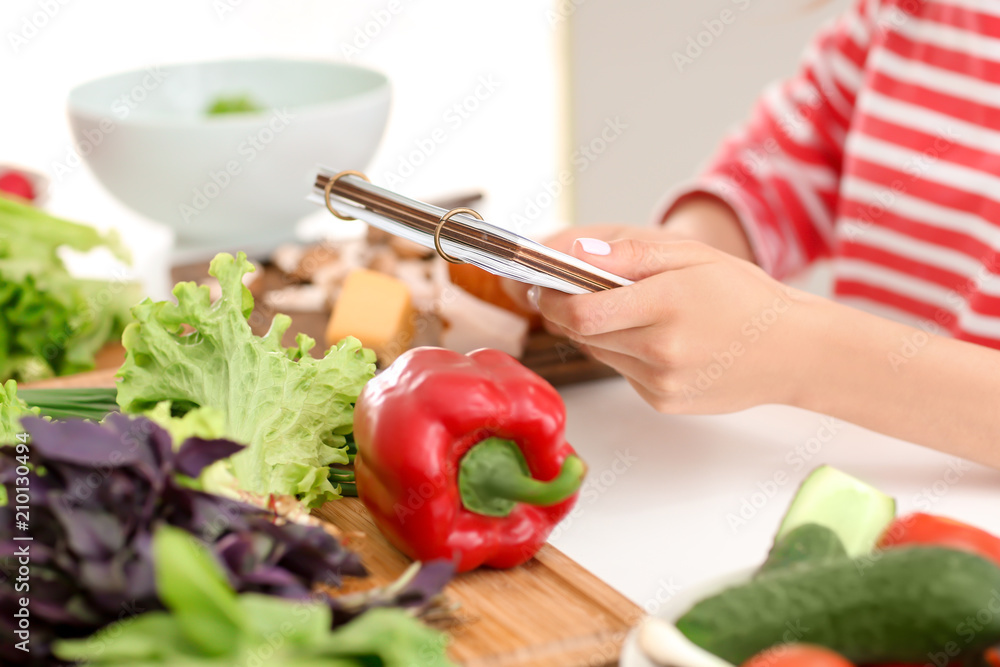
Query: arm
(904, 382)
(780, 172)
(703, 332)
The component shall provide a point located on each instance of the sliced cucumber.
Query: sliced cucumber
(805, 544)
(856, 512)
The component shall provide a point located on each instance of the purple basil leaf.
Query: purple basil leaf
(89, 533)
(81, 442)
(429, 581)
(196, 454)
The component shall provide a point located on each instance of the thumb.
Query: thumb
(635, 259)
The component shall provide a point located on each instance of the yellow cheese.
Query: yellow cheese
(376, 309)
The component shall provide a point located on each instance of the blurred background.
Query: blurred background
(569, 111)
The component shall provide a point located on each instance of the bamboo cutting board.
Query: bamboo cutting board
(547, 612)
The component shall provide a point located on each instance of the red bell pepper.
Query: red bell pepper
(463, 457)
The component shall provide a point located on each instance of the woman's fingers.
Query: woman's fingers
(600, 312)
(637, 259)
(563, 242)
(640, 342)
(654, 384)
(643, 303)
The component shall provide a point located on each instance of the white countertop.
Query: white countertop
(661, 509)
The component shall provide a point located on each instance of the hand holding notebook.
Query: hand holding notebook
(459, 235)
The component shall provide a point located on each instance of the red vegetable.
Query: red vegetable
(798, 655)
(919, 528)
(463, 457)
(16, 183)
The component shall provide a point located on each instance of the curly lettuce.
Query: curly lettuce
(52, 323)
(12, 408)
(293, 411)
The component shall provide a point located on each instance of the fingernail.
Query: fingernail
(533, 297)
(594, 246)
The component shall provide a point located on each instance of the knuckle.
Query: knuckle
(665, 351)
(580, 319)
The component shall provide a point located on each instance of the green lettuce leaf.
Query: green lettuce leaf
(50, 322)
(206, 422)
(12, 409)
(292, 410)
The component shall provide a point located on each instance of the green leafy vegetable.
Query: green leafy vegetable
(50, 322)
(193, 587)
(294, 411)
(209, 624)
(12, 408)
(206, 422)
(233, 104)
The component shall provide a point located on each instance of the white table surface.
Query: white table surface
(665, 521)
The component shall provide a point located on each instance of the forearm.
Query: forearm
(705, 218)
(901, 381)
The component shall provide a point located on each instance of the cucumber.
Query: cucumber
(856, 512)
(900, 606)
(809, 542)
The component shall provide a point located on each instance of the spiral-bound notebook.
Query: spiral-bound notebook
(458, 235)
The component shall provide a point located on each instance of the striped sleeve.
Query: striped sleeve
(780, 172)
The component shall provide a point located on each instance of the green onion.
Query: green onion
(90, 403)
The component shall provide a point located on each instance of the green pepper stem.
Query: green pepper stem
(535, 491)
(493, 477)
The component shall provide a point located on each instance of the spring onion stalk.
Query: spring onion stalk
(345, 478)
(90, 403)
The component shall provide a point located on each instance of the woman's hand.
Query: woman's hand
(697, 217)
(700, 331)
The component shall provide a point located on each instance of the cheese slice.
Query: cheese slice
(377, 310)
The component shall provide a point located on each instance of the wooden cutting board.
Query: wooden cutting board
(549, 611)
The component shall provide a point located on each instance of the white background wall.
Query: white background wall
(623, 65)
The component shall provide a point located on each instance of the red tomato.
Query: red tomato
(922, 528)
(798, 655)
(993, 657)
(17, 184)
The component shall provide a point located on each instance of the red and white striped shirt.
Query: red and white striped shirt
(884, 154)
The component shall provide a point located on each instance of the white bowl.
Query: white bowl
(632, 654)
(228, 181)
